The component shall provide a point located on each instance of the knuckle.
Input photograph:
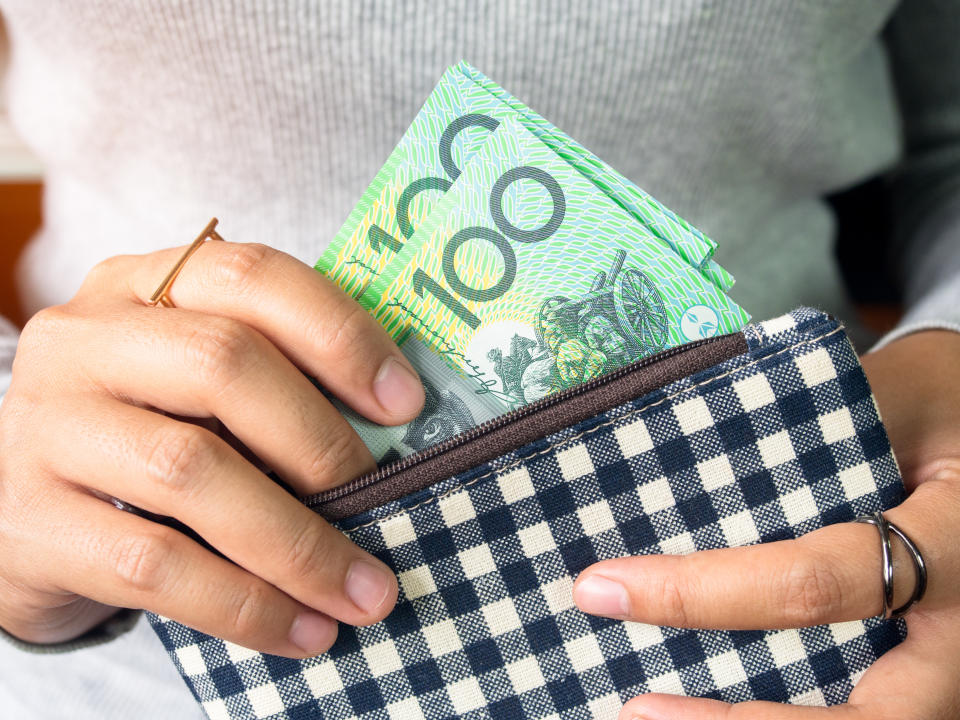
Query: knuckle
(45, 327)
(219, 350)
(243, 265)
(347, 327)
(673, 599)
(813, 592)
(141, 561)
(15, 418)
(26, 491)
(247, 616)
(178, 457)
(333, 457)
(306, 552)
(107, 270)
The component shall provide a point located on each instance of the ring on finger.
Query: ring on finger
(160, 296)
(885, 528)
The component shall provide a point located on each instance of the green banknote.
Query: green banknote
(686, 240)
(452, 126)
(529, 278)
(463, 112)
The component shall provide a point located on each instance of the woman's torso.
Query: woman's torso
(153, 116)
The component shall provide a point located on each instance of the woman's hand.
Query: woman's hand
(101, 390)
(832, 574)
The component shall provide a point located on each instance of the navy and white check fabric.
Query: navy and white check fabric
(769, 445)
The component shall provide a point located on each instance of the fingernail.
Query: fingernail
(600, 596)
(312, 632)
(397, 389)
(367, 585)
(646, 715)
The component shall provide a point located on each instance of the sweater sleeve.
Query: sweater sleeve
(8, 348)
(925, 252)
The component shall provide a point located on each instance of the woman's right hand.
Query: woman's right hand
(109, 398)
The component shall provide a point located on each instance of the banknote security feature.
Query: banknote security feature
(509, 262)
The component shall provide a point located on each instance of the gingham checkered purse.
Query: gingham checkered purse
(753, 437)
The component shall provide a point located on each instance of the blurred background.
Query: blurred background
(20, 203)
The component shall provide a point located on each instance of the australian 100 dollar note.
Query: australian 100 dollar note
(528, 278)
(453, 124)
(686, 240)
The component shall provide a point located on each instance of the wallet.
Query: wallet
(750, 437)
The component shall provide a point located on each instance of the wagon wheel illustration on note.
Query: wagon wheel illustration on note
(640, 310)
(621, 317)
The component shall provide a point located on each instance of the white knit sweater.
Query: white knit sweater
(274, 115)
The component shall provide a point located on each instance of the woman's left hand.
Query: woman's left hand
(832, 574)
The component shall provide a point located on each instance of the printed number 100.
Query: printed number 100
(423, 283)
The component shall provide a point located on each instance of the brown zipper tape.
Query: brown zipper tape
(588, 402)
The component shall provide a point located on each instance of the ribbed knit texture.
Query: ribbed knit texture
(275, 116)
(739, 115)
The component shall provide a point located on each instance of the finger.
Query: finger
(673, 707)
(184, 471)
(303, 313)
(830, 575)
(786, 584)
(201, 365)
(119, 559)
(917, 679)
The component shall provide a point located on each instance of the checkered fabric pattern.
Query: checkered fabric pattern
(769, 445)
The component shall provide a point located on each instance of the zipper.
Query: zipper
(733, 343)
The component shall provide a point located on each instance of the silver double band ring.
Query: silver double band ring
(885, 528)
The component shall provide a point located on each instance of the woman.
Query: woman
(275, 116)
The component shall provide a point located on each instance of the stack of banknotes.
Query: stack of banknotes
(509, 262)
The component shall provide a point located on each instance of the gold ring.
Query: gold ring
(159, 296)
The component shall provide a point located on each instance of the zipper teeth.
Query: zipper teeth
(494, 424)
